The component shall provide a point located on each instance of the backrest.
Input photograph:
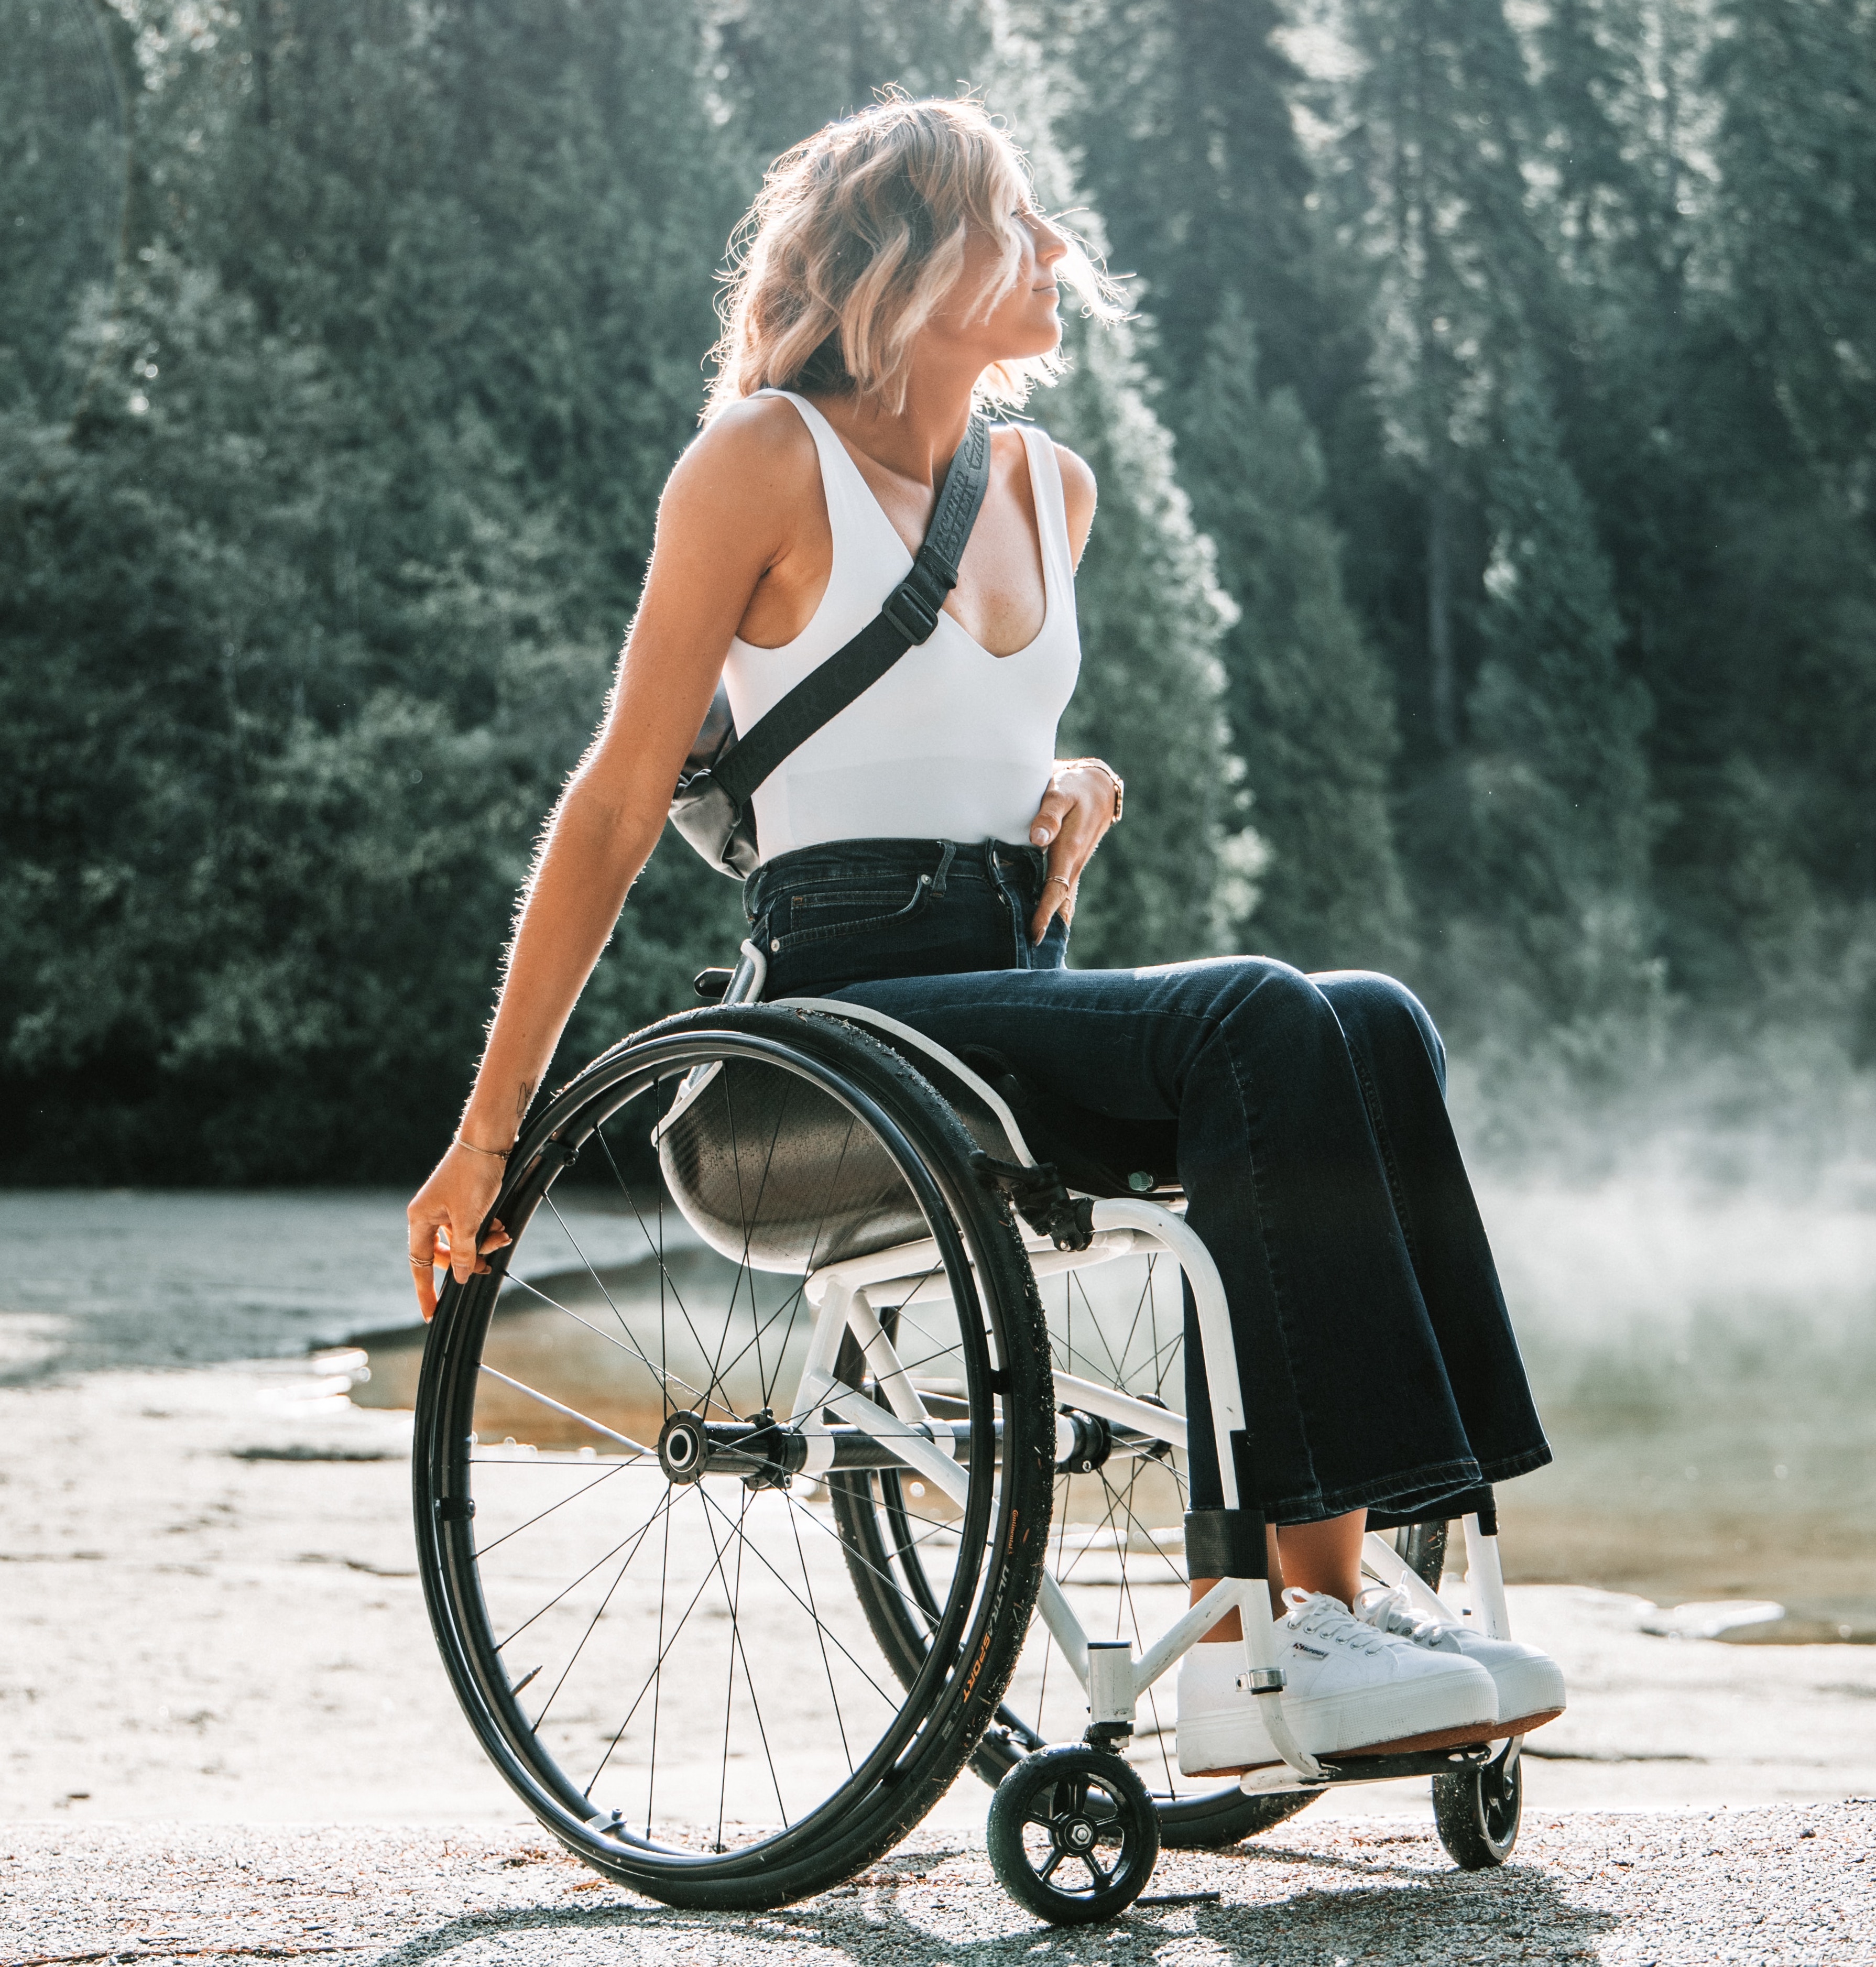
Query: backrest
(772, 1171)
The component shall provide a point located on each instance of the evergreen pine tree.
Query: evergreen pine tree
(1431, 172)
(1179, 119)
(1178, 878)
(783, 72)
(1796, 149)
(1311, 708)
(1559, 780)
(62, 180)
(332, 568)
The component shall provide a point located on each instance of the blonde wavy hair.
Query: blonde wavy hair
(857, 236)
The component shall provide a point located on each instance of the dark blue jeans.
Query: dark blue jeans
(1377, 1360)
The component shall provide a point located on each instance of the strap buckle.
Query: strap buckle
(913, 606)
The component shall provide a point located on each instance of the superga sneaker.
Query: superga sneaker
(1530, 1684)
(1349, 1689)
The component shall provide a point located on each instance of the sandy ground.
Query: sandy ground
(1788, 1885)
(214, 1631)
(212, 1614)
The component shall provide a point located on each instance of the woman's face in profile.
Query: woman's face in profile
(1024, 321)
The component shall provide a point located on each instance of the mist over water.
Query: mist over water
(1693, 1284)
(1694, 1288)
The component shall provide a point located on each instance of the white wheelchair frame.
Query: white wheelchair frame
(847, 1297)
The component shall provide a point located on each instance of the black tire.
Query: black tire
(1477, 1814)
(1073, 1834)
(849, 1758)
(1423, 1546)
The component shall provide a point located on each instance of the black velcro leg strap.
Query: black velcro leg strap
(1225, 1543)
(1230, 1543)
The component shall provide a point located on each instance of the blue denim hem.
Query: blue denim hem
(1408, 1490)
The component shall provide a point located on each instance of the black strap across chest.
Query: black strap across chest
(908, 616)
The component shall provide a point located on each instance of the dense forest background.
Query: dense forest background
(1484, 586)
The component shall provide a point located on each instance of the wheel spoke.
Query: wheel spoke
(657, 1673)
(664, 1504)
(827, 1666)
(665, 1377)
(859, 1558)
(658, 1373)
(738, 1650)
(651, 1679)
(560, 1406)
(786, 1149)
(665, 1280)
(790, 1590)
(483, 1549)
(592, 1623)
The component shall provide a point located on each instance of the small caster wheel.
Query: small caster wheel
(1073, 1834)
(1476, 1813)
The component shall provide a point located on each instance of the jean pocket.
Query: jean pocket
(826, 913)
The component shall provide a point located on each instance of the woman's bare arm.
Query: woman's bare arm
(737, 546)
(723, 531)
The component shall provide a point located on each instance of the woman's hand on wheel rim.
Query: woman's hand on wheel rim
(443, 1217)
(1076, 810)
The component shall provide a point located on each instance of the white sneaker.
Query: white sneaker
(1530, 1684)
(1349, 1687)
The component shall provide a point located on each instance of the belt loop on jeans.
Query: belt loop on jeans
(943, 865)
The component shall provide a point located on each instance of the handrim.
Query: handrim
(898, 1779)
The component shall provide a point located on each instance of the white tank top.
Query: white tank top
(952, 743)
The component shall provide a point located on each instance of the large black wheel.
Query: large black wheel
(626, 1468)
(1477, 1813)
(1073, 1834)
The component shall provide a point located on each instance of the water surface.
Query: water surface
(1704, 1357)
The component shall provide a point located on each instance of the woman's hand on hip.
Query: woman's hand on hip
(1076, 811)
(444, 1216)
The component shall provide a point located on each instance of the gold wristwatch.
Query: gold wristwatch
(1120, 784)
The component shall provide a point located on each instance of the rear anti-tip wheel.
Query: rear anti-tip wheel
(1476, 1813)
(1073, 1834)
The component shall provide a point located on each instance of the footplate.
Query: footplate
(1274, 1778)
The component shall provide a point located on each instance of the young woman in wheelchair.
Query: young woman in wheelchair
(920, 855)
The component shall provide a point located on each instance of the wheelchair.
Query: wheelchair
(857, 1458)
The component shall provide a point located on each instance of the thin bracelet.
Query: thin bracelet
(494, 1154)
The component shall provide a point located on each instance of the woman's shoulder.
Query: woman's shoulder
(1077, 477)
(1078, 494)
(760, 447)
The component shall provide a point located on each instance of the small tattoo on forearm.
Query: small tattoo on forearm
(521, 1098)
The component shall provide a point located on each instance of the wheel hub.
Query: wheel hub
(683, 1447)
(1077, 1834)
